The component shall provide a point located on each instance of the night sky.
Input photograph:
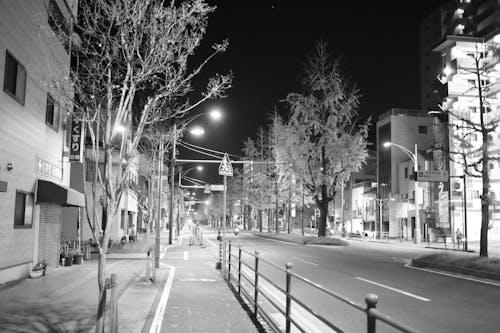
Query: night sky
(377, 40)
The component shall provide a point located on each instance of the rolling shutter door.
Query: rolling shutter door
(50, 233)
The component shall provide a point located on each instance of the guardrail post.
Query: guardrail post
(256, 284)
(288, 267)
(371, 303)
(229, 263)
(239, 269)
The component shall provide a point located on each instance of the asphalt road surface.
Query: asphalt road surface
(426, 301)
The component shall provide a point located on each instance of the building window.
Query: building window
(51, 114)
(472, 82)
(473, 137)
(472, 109)
(15, 78)
(475, 194)
(23, 212)
(406, 173)
(422, 129)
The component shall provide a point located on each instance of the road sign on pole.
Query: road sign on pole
(207, 188)
(216, 188)
(432, 176)
(225, 167)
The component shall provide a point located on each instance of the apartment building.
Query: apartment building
(34, 135)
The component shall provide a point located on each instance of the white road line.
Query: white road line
(165, 251)
(210, 242)
(394, 289)
(496, 284)
(186, 256)
(307, 262)
(162, 305)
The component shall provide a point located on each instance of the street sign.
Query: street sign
(217, 188)
(432, 176)
(225, 167)
(207, 189)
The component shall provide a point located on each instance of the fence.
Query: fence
(241, 274)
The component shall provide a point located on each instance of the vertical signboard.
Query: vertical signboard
(75, 147)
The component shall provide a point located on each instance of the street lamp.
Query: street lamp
(414, 159)
(214, 114)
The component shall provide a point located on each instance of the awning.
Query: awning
(48, 191)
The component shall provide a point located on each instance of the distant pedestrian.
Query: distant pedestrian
(459, 236)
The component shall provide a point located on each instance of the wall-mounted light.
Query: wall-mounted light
(10, 166)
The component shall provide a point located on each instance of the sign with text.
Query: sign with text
(432, 176)
(207, 189)
(217, 188)
(225, 167)
(75, 146)
(444, 216)
(47, 168)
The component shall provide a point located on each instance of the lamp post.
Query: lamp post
(214, 114)
(414, 159)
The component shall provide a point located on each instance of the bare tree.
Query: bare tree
(130, 68)
(321, 143)
(466, 127)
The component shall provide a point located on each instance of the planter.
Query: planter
(78, 259)
(35, 274)
(68, 261)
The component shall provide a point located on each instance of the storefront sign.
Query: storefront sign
(47, 168)
(444, 216)
(75, 149)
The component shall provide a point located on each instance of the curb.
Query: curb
(458, 270)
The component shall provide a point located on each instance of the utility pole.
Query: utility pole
(157, 227)
(172, 180)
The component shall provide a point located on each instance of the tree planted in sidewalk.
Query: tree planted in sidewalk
(320, 141)
(129, 71)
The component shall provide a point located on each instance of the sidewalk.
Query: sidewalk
(200, 299)
(65, 300)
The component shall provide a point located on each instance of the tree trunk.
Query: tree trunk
(259, 215)
(485, 205)
(323, 208)
(101, 282)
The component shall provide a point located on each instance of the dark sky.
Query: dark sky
(377, 41)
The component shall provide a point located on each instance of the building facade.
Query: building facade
(34, 167)
(405, 128)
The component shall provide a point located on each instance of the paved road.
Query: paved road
(426, 301)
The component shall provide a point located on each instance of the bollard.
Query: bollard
(371, 303)
(218, 265)
(256, 284)
(288, 287)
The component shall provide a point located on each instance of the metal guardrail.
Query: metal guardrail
(235, 274)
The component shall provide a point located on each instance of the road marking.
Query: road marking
(394, 289)
(197, 280)
(165, 251)
(307, 262)
(162, 305)
(496, 284)
(279, 241)
(186, 256)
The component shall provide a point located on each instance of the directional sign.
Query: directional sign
(217, 188)
(432, 176)
(207, 189)
(225, 167)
